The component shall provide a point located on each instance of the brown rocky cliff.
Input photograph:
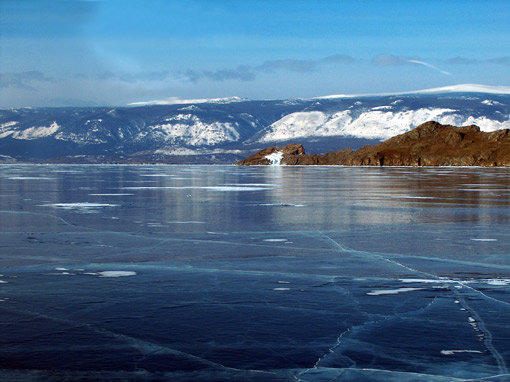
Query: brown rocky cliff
(430, 144)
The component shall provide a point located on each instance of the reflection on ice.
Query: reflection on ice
(212, 188)
(117, 194)
(380, 275)
(84, 207)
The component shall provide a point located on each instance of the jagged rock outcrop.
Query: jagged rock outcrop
(430, 144)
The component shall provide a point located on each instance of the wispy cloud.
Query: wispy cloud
(505, 60)
(241, 73)
(24, 80)
(249, 72)
(338, 59)
(292, 65)
(429, 66)
(391, 60)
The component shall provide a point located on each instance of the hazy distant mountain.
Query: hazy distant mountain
(225, 130)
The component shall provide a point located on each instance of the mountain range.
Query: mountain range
(226, 130)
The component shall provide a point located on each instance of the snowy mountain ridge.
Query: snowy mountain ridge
(461, 88)
(229, 129)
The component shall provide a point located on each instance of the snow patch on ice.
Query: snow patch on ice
(116, 273)
(381, 292)
(498, 282)
(453, 352)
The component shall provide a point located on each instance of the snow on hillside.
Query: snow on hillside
(191, 130)
(377, 123)
(35, 132)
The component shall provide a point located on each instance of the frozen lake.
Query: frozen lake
(202, 273)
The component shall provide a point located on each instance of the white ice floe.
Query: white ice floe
(3, 282)
(61, 269)
(275, 240)
(275, 158)
(453, 352)
(283, 282)
(281, 289)
(483, 239)
(381, 292)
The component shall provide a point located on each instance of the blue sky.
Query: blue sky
(109, 52)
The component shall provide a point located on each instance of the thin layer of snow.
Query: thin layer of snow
(178, 101)
(461, 88)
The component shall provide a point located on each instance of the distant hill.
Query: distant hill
(430, 144)
(226, 130)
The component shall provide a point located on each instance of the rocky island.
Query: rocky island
(430, 144)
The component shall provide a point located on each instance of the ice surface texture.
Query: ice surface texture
(262, 273)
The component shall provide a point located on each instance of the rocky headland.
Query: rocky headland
(430, 144)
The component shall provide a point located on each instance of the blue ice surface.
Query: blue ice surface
(274, 273)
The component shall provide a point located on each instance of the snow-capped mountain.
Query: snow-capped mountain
(223, 130)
